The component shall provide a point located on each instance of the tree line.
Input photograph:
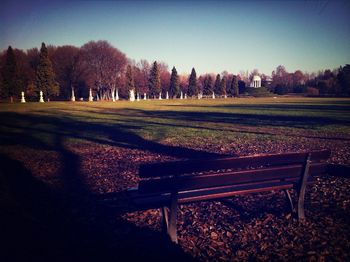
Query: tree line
(107, 73)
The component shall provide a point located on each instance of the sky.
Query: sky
(211, 36)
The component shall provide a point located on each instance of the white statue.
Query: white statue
(225, 96)
(132, 95)
(23, 100)
(73, 96)
(113, 97)
(138, 96)
(185, 96)
(213, 95)
(41, 99)
(167, 95)
(160, 96)
(116, 94)
(181, 95)
(144, 96)
(90, 96)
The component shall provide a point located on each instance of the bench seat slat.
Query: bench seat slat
(193, 182)
(157, 200)
(191, 166)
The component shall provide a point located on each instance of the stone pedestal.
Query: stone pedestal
(90, 96)
(41, 99)
(73, 96)
(116, 95)
(23, 100)
(132, 95)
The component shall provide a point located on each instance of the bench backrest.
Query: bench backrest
(206, 173)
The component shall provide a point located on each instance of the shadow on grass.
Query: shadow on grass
(40, 223)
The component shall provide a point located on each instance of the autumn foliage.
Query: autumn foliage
(101, 67)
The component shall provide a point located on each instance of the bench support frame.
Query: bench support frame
(302, 187)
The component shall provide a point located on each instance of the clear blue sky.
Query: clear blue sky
(211, 36)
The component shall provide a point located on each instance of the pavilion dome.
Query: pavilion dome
(256, 78)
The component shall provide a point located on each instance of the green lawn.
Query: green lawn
(179, 120)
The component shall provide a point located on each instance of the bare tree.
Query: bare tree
(105, 65)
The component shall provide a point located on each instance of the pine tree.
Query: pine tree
(129, 78)
(154, 80)
(10, 76)
(217, 84)
(45, 76)
(223, 86)
(234, 91)
(208, 86)
(192, 84)
(174, 84)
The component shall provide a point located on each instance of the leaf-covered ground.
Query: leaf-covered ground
(59, 160)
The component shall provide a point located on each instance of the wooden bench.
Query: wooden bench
(168, 184)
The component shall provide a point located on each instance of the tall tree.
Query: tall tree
(129, 79)
(10, 76)
(174, 84)
(65, 61)
(192, 84)
(234, 91)
(217, 84)
(164, 77)
(154, 80)
(105, 66)
(45, 76)
(208, 85)
(344, 79)
(223, 86)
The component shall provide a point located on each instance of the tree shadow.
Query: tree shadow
(43, 223)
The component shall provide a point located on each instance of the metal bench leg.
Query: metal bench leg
(172, 232)
(165, 218)
(289, 197)
(302, 188)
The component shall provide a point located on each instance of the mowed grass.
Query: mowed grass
(177, 121)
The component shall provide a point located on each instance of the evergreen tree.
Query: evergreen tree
(192, 84)
(208, 86)
(223, 86)
(45, 76)
(234, 91)
(174, 84)
(129, 78)
(10, 76)
(344, 79)
(217, 84)
(154, 80)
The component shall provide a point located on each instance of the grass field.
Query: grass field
(94, 148)
(180, 121)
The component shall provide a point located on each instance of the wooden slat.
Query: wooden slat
(154, 201)
(192, 182)
(191, 166)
